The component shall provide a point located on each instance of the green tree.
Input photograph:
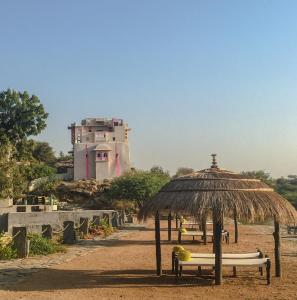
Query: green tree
(43, 152)
(287, 187)
(63, 156)
(21, 115)
(24, 173)
(138, 186)
(183, 171)
(159, 170)
(6, 169)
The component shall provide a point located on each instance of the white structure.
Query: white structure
(100, 148)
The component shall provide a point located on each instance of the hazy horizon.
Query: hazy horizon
(190, 78)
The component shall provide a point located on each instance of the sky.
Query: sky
(191, 78)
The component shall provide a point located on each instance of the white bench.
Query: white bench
(257, 254)
(232, 262)
(193, 233)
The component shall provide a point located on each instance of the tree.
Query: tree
(43, 152)
(24, 173)
(159, 170)
(21, 115)
(138, 186)
(63, 156)
(183, 171)
(6, 169)
(287, 187)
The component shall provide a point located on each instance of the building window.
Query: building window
(102, 156)
(113, 138)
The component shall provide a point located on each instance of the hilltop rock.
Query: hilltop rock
(83, 193)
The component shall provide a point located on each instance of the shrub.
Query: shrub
(103, 229)
(42, 246)
(7, 251)
(107, 229)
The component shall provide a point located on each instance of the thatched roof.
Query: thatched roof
(215, 190)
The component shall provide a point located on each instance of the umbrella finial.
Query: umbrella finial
(214, 161)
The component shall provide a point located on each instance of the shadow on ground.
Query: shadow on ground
(53, 279)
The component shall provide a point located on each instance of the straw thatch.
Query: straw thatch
(216, 190)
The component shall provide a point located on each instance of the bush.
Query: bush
(7, 251)
(42, 246)
(103, 229)
(107, 229)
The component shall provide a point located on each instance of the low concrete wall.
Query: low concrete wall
(55, 219)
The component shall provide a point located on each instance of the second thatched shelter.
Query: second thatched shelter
(220, 193)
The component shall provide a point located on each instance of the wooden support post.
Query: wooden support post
(169, 227)
(204, 229)
(173, 255)
(176, 222)
(277, 249)
(122, 217)
(84, 226)
(96, 221)
(217, 232)
(268, 273)
(213, 236)
(158, 244)
(69, 233)
(47, 231)
(20, 241)
(115, 219)
(235, 227)
(234, 271)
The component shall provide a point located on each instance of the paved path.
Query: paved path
(16, 270)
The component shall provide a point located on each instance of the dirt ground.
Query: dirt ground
(125, 269)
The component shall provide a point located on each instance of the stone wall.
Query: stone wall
(55, 219)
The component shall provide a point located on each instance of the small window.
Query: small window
(113, 138)
(99, 154)
(105, 154)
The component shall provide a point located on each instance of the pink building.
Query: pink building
(100, 148)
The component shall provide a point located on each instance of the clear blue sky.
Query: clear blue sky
(190, 77)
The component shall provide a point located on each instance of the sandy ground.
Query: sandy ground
(125, 269)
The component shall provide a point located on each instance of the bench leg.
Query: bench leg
(268, 266)
(176, 268)
(179, 237)
(193, 238)
(199, 270)
(172, 261)
(261, 271)
(180, 271)
(234, 271)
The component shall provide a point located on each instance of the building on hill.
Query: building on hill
(100, 148)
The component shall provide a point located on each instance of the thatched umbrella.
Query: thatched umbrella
(221, 193)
